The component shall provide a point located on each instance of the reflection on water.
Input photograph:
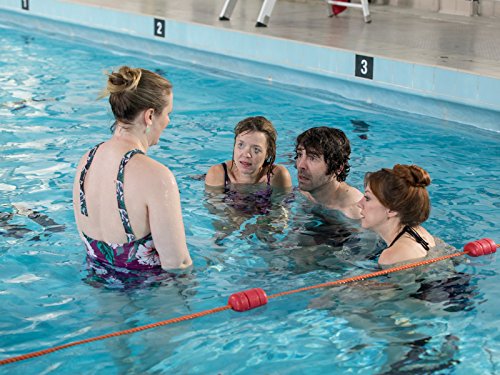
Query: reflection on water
(455, 293)
(401, 312)
(361, 127)
(422, 358)
(11, 227)
(299, 236)
(248, 211)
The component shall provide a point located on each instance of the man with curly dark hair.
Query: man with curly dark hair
(322, 162)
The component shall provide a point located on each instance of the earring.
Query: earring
(148, 129)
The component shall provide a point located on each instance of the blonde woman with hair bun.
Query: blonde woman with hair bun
(127, 205)
(395, 204)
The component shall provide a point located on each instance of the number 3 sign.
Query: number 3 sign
(364, 67)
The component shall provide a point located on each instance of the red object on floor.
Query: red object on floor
(337, 9)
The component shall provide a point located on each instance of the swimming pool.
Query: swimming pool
(50, 117)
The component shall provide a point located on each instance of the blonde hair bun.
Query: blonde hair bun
(132, 90)
(125, 79)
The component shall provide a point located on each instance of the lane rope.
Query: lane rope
(252, 298)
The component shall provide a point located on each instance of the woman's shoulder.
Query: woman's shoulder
(219, 168)
(438, 269)
(404, 250)
(83, 159)
(87, 158)
(281, 177)
(91, 151)
(149, 172)
(280, 168)
(216, 174)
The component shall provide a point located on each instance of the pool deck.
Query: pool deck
(470, 44)
(422, 62)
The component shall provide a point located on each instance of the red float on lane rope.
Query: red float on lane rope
(480, 247)
(247, 299)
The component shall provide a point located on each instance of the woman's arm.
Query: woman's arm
(165, 219)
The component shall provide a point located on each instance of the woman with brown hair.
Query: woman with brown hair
(395, 204)
(254, 153)
(127, 205)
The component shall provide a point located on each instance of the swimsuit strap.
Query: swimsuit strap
(269, 174)
(412, 233)
(90, 157)
(227, 181)
(119, 194)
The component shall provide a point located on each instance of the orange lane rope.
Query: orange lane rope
(369, 275)
(113, 334)
(251, 299)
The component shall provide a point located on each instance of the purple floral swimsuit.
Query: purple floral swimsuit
(258, 202)
(115, 260)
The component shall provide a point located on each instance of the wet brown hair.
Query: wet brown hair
(263, 125)
(132, 90)
(402, 189)
(332, 144)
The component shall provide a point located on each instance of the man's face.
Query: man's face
(311, 170)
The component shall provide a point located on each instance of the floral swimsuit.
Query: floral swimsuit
(114, 259)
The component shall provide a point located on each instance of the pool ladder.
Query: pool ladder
(268, 5)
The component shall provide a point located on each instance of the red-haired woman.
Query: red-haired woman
(395, 204)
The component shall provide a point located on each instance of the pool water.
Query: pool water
(411, 323)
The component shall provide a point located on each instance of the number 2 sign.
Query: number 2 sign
(159, 27)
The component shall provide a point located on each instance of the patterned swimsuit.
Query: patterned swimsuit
(115, 260)
(257, 202)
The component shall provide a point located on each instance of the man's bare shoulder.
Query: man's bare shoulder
(350, 195)
(348, 204)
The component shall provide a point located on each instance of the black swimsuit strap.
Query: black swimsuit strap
(403, 231)
(414, 234)
(227, 181)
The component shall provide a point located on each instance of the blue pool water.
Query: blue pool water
(447, 323)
